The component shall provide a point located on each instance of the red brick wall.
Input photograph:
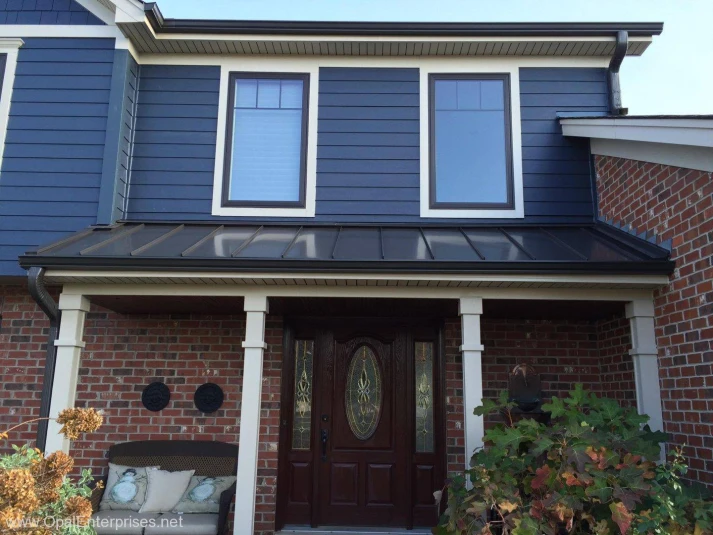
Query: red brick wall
(123, 354)
(562, 352)
(455, 432)
(675, 204)
(23, 338)
(615, 364)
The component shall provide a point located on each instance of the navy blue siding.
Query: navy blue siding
(52, 164)
(556, 170)
(368, 144)
(174, 143)
(45, 12)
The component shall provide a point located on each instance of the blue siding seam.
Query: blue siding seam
(132, 137)
(107, 212)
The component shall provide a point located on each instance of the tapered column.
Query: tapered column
(256, 307)
(644, 354)
(471, 309)
(69, 352)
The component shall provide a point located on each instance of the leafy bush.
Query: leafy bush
(36, 495)
(593, 470)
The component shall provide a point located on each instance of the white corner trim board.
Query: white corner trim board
(10, 47)
(256, 64)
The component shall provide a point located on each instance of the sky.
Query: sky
(674, 76)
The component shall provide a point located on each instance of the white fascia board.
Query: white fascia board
(99, 10)
(674, 131)
(129, 11)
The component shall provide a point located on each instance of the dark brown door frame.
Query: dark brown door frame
(308, 328)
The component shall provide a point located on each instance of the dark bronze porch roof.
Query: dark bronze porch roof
(595, 248)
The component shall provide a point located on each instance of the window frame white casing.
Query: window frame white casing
(477, 66)
(279, 66)
(10, 47)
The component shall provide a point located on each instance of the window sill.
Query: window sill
(257, 211)
(474, 213)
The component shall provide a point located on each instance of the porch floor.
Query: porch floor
(331, 530)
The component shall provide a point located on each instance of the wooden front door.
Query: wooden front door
(361, 434)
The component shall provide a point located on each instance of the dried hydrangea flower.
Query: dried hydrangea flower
(77, 421)
(78, 509)
(17, 490)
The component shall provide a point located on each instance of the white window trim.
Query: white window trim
(475, 66)
(11, 47)
(261, 65)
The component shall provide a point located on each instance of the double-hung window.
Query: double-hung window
(470, 145)
(266, 140)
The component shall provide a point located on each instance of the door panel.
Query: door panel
(358, 412)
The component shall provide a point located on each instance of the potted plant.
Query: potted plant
(593, 470)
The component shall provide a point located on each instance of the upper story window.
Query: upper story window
(266, 140)
(470, 142)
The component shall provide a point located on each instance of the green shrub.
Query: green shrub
(593, 470)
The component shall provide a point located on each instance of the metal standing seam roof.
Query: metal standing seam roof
(595, 248)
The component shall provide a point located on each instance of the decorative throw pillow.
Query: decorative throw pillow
(165, 490)
(125, 488)
(203, 494)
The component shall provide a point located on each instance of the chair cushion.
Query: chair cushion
(122, 522)
(125, 488)
(203, 494)
(165, 490)
(193, 524)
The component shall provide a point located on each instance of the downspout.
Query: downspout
(38, 291)
(622, 44)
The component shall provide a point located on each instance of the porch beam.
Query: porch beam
(362, 291)
(256, 308)
(644, 354)
(470, 310)
(69, 345)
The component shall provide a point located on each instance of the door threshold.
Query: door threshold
(339, 530)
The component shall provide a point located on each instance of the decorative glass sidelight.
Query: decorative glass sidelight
(302, 417)
(424, 397)
(363, 393)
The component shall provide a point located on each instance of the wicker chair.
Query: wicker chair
(213, 459)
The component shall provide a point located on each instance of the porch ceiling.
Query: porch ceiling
(284, 251)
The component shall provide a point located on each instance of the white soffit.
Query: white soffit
(146, 41)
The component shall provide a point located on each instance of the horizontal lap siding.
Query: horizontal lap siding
(174, 143)
(556, 170)
(368, 145)
(368, 156)
(52, 164)
(45, 12)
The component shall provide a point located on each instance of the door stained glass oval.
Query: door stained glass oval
(363, 393)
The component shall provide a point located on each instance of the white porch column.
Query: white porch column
(644, 353)
(470, 310)
(256, 308)
(69, 351)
